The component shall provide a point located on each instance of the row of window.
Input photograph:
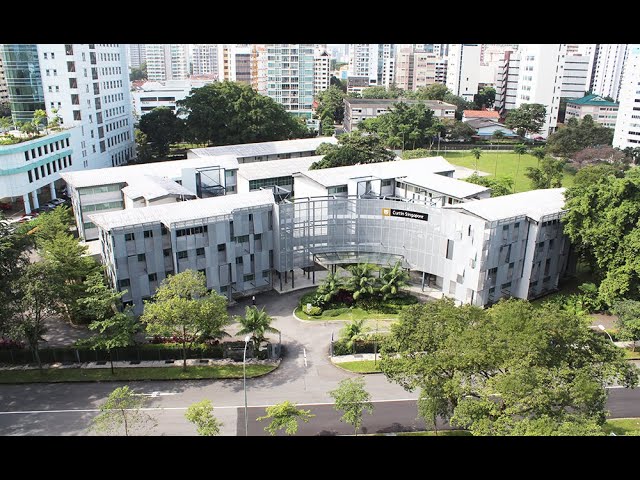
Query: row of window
(114, 111)
(112, 84)
(111, 71)
(116, 139)
(96, 207)
(45, 149)
(118, 124)
(110, 57)
(116, 187)
(153, 277)
(113, 97)
(51, 167)
(121, 157)
(191, 231)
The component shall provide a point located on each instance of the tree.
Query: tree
(628, 312)
(13, 261)
(229, 113)
(201, 415)
(352, 149)
(6, 123)
(460, 103)
(138, 73)
(335, 81)
(539, 153)
(35, 306)
(330, 286)
(595, 173)
(392, 279)
(54, 122)
(361, 282)
(182, 307)
(548, 175)
(45, 227)
(489, 370)
(477, 153)
(498, 135)
(594, 155)
(435, 91)
(121, 413)
(577, 135)
(331, 104)
(257, 323)
(39, 120)
(499, 186)
(352, 400)
(485, 98)
(115, 329)
(602, 222)
(527, 118)
(285, 416)
(162, 128)
(352, 332)
(460, 131)
(382, 92)
(143, 149)
(520, 149)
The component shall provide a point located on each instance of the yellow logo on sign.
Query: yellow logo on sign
(386, 212)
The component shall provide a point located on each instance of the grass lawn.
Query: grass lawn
(507, 165)
(362, 366)
(629, 354)
(622, 426)
(345, 314)
(131, 373)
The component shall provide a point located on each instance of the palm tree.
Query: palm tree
(520, 149)
(330, 286)
(352, 332)
(477, 153)
(539, 153)
(393, 279)
(362, 281)
(255, 322)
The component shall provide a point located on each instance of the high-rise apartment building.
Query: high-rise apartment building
(259, 68)
(373, 60)
(23, 79)
(168, 61)
(415, 69)
(204, 59)
(609, 67)
(137, 54)
(234, 63)
(575, 76)
(321, 74)
(290, 77)
(627, 132)
(4, 92)
(507, 83)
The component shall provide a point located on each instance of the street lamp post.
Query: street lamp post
(601, 327)
(244, 381)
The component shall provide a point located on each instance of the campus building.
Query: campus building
(602, 111)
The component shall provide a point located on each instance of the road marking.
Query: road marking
(155, 394)
(304, 352)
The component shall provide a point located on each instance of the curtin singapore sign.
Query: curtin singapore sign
(392, 212)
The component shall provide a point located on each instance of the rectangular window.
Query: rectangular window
(183, 254)
(257, 236)
(242, 239)
(163, 230)
(547, 266)
(222, 247)
(142, 257)
(200, 252)
(450, 249)
(168, 272)
(125, 282)
(166, 252)
(239, 260)
(153, 277)
(148, 234)
(265, 274)
(248, 278)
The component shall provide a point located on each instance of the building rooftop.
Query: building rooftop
(480, 114)
(265, 148)
(445, 185)
(276, 168)
(331, 177)
(534, 204)
(172, 213)
(596, 100)
(151, 187)
(129, 173)
(390, 101)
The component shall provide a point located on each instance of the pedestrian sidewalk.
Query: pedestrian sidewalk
(355, 357)
(142, 364)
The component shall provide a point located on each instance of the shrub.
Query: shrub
(313, 311)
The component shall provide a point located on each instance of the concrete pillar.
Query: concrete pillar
(423, 275)
(52, 189)
(285, 276)
(280, 277)
(313, 273)
(27, 204)
(34, 194)
(292, 284)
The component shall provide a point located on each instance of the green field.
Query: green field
(361, 366)
(131, 373)
(504, 163)
(623, 426)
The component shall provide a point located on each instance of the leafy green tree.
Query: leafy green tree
(285, 416)
(352, 399)
(548, 175)
(577, 135)
(539, 153)
(595, 173)
(563, 425)
(122, 413)
(45, 227)
(628, 323)
(392, 279)
(182, 307)
(138, 73)
(39, 120)
(352, 149)
(353, 332)
(477, 153)
(6, 123)
(498, 135)
(335, 81)
(499, 186)
(485, 98)
(527, 118)
(143, 149)
(257, 323)
(460, 103)
(162, 128)
(201, 415)
(458, 130)
(362, 281)
(330, 286)
(229, 113)
(602, 222)
(435, 91)
(331, 104)
(382, 92)
(13, 261)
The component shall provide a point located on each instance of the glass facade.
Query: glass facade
(24, 82)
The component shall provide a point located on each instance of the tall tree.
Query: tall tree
(228, 113)
(45, 227)
(201, 415)
(122, 413)
(143, 148)
(331, 103)
(527, 118)
(352, 149)
(577, 135)
(539, 153)
(392, 279)
(499, 186)
(285, 416)
(162, 128)
(182, 307)
(547, 175)
(13, 261)
(477, 153)
(352, 400)
(628, 312)
(138, 73)
(520, 149)
(353, 332)
(362, 281)
(330, 286)
(485, 98)
(257, 323)
(458, 130)
(595, 173)
(435, 91)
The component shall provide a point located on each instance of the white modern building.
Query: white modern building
(167, 61)
(321, 71)
(234, 63)
(4, 92)
(137, 54)
(373, 60)
(455, 241)
(151, 95)
(627, 132)
(608, 69)
(466, 74)
(575, 76)
(204, 59)
(507, 83)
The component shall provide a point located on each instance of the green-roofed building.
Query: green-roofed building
(602, 111)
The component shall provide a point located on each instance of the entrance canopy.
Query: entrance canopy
(343, 257)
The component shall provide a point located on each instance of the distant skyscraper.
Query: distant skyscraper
(137, 54)
(167, 61)
(4, 93)
(466, 74)
(290, 77)
(627, 132)
(205, 59)
(234, 63)
(321, 74)
(415, 68)
(507, 83)
(373, 60)
(23, 79)
(609, 66)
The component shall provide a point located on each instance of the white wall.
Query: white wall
(627, 132)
